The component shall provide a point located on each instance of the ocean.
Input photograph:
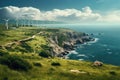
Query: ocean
(105, 48)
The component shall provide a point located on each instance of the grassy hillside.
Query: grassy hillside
(43, 69)
(30, 60)
(16, 34)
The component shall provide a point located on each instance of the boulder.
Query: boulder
(79, 41)
(78, 71)
(68, 46)
(97, 63)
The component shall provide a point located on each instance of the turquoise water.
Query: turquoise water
(106, 48)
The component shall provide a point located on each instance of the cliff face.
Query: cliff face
(63, 41)
(56, 49)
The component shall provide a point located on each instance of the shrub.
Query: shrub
(37, 64)
(55, 64)
(46, 47)
(15, 62)
(112, 72)
(2, 53)
(44, 54)
(5, 78)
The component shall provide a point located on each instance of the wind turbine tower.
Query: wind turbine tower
(6, 23)
(17, 22)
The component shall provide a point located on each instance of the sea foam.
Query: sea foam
(96, 40)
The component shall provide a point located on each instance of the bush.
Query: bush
(55, 64)
(112, 72)
(44, 54)
(37, 64)
(2, 53)
(46, 47)
(15, 62)
(5, 78)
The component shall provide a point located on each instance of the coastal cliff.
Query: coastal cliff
(50, 42)
(64, 40)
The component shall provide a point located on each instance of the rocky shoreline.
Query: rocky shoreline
(68, 45)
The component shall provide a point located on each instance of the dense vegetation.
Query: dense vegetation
(15, 62)
(31, 59)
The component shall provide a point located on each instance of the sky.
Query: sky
(69, 11)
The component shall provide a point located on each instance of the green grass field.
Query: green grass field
(17, 34)
(46, 71)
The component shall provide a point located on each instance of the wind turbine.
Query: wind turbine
(6, 23)
(16, 20)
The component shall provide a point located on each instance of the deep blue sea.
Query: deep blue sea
(105, 48)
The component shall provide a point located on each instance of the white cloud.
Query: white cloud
(71, 15)
(21, 13)
(86, 15)
(87, 10)
(112, 16)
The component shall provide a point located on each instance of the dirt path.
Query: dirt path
(22, 40)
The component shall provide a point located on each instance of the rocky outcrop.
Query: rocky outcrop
(97, 63)
(56, 49)
(79, 41)
(78, 71)
(68, 46)
(71, 39)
